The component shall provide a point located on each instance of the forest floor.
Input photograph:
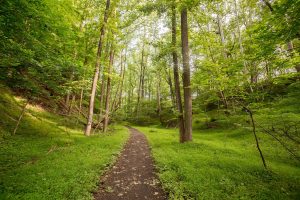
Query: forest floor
(133, 176)
(222, 164)
(50, 158)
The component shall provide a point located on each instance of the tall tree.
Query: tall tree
(176, 73)
(97, 70)
(187, 90)
(108, 89)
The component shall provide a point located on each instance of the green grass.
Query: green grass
(49, 158)
(222, 164)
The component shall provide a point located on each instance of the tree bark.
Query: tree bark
(176, 75)
(108, 88)
(122, 81)
(221, 32)
(96, 75)
(82, 88)
(140, 81)
(158, 97)
(170, 83)
(186, 77)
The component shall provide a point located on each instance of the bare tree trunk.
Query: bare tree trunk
(122, 81)
(84, 75)
(186, 77)
(96, 75)
(290, 47)
(103, 83)
(108, 88)
(143, 77)
(238, 27)
(118, 92)
(176, 74)
(158, 99)
(103, 86)
(67, 101)
(140, 81)
(170, 83)
(220, 29)
(72, 103)
(20, 117)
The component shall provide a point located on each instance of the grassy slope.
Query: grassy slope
(49, 158)
(222, 164)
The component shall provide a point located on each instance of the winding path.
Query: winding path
(133, 176)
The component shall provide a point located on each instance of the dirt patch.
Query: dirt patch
(133, 176)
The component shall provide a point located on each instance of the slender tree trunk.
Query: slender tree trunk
(96, 75)
(143, 78)
(108, 88)
(158, 97)
(170, 83)
(238, 27)
(84, 76)
(220, 29)
(67, 101)
(117, 100)
(20, 117)
(122, 82)
(72, 103)
(140, 81)
(186, 77)
(103, 83)
(224, 99)
(103, 87)
(176, 74)
(290, 47)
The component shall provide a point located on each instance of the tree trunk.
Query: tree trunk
(290, 47)
(96, 75)
(170, 83)
(103, 83)
(220, 29)
(224, 99)
(84, 75)
(67, 101)
(72, 103)
(140, 81)
(143, 77)
(186, 77)
(122, 81)
(118, 95)
(158, 99)
(176, 74)
(108, 88)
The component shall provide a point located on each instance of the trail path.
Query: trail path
(133, 176)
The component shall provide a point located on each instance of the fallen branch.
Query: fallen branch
(20, 117)
(254, 133)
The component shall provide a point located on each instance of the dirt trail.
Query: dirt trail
(133, 176)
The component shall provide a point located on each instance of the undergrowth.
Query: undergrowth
(49, 157)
